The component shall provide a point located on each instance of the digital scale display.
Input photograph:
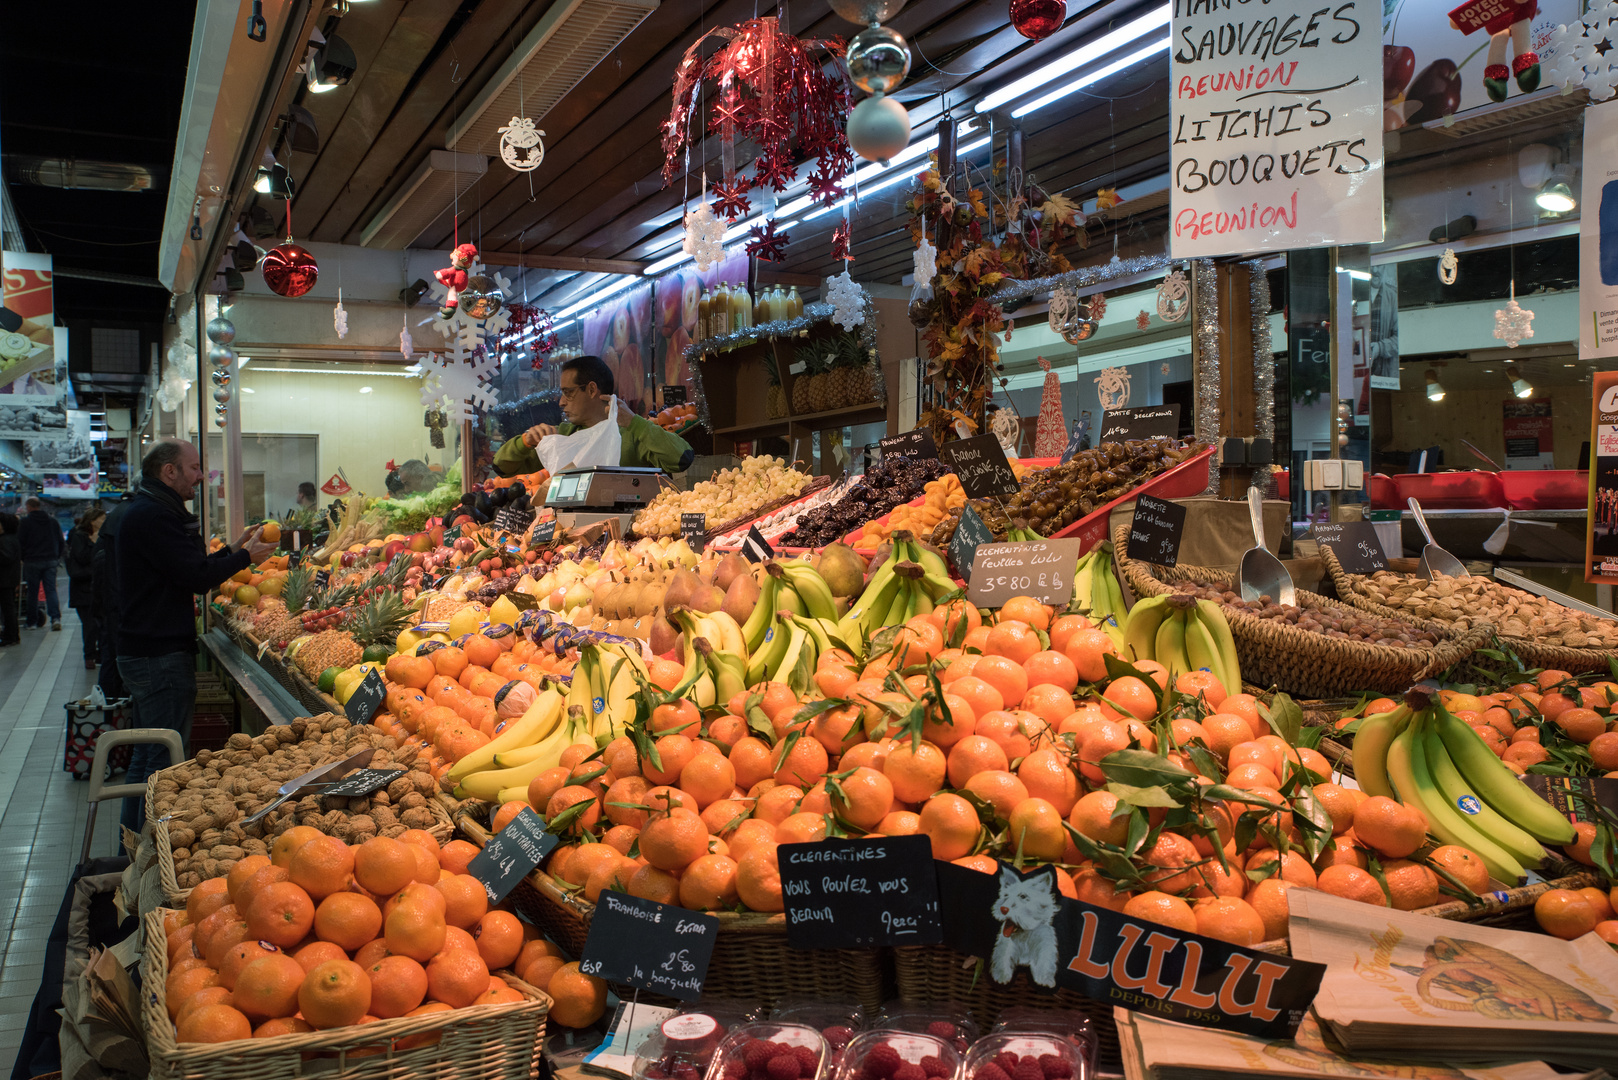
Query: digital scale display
(565, 488)
(603, 488)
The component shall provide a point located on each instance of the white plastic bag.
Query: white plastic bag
(600, 444)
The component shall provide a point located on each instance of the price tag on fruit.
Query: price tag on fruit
(1042, 569)
(321, 578)
(1155, 531)
(694, 528)
(1142, 422)
(673, 395)
(363, 782)
(755, 547)
(1075, 440)
(1355, 544)
(367, 699)
(656, 947)
(545, 531)
(512, 854)
(917, 443)
(980, 463)
(843, 894)
(963, 545)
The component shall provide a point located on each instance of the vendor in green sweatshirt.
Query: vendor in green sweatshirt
(587, 390)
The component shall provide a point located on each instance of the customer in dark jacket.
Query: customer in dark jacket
(10, 579)
(162, 565)
(81, 543)
(41, 540)
(104, 588)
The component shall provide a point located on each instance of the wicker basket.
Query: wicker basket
(1303, 663)
(751, 960)
(1533, 654)
(483, 1042)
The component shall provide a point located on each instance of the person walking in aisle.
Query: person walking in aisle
(10, 579)
(41, 540)
(162, 563)
(104, 590)
(81, 544)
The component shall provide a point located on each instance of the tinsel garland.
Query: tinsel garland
(1084, 275)
(540, 397)
(1206, 289)
(1263, 350)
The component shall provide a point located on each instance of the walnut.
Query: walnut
(412, 801)
(384, 816)
(239, 741)
(181, 854)
(381, 798)
(393, 832)
(401, 787)
(361, 828)
(425, 782)
(419, 818)
(181, 836)
(230, 852)
(190, 879)
(204, 756)
(254, 846)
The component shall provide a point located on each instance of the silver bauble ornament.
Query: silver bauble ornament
(878, 128)
(221, 395)
(221, 356)
(221, 331)
(866, 12)
(481, 297)
(220, 376)
(878, 60)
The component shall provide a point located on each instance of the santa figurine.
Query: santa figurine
(1502, 19)
(453, 277)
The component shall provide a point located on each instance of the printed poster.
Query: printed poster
(1276, 126)
(1528, 434)
(620, 332)
(28, 356)
(1601, 540)
(678, 293)
(1598, 234)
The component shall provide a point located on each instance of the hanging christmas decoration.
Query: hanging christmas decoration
(1107, 198)
(704, 236)
(766, 243)
(533, 326)
(176, 383)
(731, 199)
(481, 297)
(1038, 19)
(1582, 54)
(453, 277)
(1174, 297)
(289, 269)
(460, 386)
(1513, 322)
(1071, 317)
(463, 379)
(339, 317)
(1006, 426)
(435, 422)
(1448, 266)
(1143, 321)
(866, 12)
(878, 60)
(847, 299)
(1050, 436)
(924, 265)
(521, 147)
(878, 128)
(774, 90)
(841, 247)
(1112, 387)
(407, 346)
(1097, 306)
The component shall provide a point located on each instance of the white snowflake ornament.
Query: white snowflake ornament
(407, 344)
(460, 386)
(847, 299)
(1583, 53)
(1513, 323)
(339, 317)
(926, 263)
(704, 236)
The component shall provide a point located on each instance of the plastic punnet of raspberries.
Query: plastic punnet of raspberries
(991, 1071)
(909, 1071)
(757, 1055)
(838, 1036)
(1007, 1061)
(882, 1061)
(735, 1069)
(684, 1070)
(784, 1067)
(1028, 1069)
(808, 1060)
(943, 1029)
(1055, 1066)
(933, 1066)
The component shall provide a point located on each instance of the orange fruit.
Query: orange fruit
(335, 994)
(212, 924)
(427, 870)
(1229, 918)
(1101, 738)
(1092, 816)
(1269, 899)
(538, 971)
(1464, 864)
(1339, 802)
(206, 899)
(456, 977)
(1046, 775)
(758, 878)
(1608, 931)
(1048, 701)
(1599, 900)
(268, 987)
(290, 841)
(804, 763)
(708, 778)
(1390, 827)
(182, 984)
(282, 1025)
(568, 798)
(348, 919)
(916, 771)
(1090, 886)
(801, 828)
(1410, 884)
(1004, 676)
(1036, 830)
(978, 694)
(650, 883)
(456, 938)
(1026, 609)
(1294, 867)
(864, 797)
(364, 956)
(610, 875)
(1054, 668)
(244, 869)
(1008, 730)
(951, 824)
(214, 1024)
(997, 787)
(1202, 684)
(673, 842)
(1352, 883)
(749, 834)
(415, 930)
(384, 866)
(1581, 725)
(1088, 649)
(1162, 908)
(1565, 914)
(426, 1038)
(316, 953)
(1579, 850)
(281, 914)
(453, 856)
(709, 883)
(674, 752)
(1604, 750)
(899, 823)
(465, 900)
(500, 939)
(232, 934)
(239, 956)
(577, 999)
(213, 995)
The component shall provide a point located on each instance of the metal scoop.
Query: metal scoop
(1262, 574)
(1434, 559)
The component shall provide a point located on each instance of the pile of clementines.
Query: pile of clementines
(320, 935)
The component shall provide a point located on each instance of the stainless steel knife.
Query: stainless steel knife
(325, 775)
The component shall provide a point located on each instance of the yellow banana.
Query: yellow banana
(1140, 631)
(535, 723)
(1371, 743)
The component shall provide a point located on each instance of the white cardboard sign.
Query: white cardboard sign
(1598, 234)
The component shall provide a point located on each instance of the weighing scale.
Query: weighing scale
(583, 497)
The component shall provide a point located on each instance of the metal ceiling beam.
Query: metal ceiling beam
(563, 262)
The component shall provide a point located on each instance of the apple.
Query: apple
(421, 542)
(392, 549)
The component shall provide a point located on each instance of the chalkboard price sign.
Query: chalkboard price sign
(1143, 422)
(545, 531)
(1042, 569)
(673, 395)
(655, 947)
(367, 699)
(1154, 534)
(917, 443)
(511, 854)
(963, 545)
(1355, 544)
(694, 527)
(755, 547)
(843, 894)
(363, 782)
(980, 463)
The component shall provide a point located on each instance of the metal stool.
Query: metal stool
(99, 791)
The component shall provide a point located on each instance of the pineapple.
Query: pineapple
(859, 372)
(299, 589)
(329, 648)
(804, 382)
(775, 400)
(821, 384)
(378, 621)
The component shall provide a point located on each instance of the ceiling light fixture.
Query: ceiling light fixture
(1092, 77)
(1158, 19)
(332, 65)
(1519, 385)
(365, 389)
(1555, 196)
(1435, 392)
(275, 182)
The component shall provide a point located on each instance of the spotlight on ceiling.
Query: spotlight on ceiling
(1556, 194)
(411, 294)
(1519, 385)
(332, 65)
(302, 134)
(275, 182)
(1435, 392)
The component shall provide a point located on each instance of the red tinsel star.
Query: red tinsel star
(824, 188)
(730, 200)
(841, 245)
(774, 171)
(766, 243)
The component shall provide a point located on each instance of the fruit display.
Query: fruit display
(731, 494)
(887, 484)
(411, 513)
(834, 373)
(1313, 615)
(771, 1051)
(1471, 601)
(676, 417)
(939, 497)
(1183, 635)
(777, 523)
(887, 1054)
(1054, 498)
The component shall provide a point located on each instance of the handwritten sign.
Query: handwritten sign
(755, 547)
(545, 531)
(917, 443)
(1276, 126)
(860, 893)
(1155, 531)
(980, 463)
(1042, 569)
(512, 854)
(1075, 441)
(655, 947)
(1144, 422)
(963, 545)
(1355, 544)
(363, 782)
(673, 395)
(367, 699)
(694, 527)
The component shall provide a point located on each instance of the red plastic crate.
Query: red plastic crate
(1546, 489)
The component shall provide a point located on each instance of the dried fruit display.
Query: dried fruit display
(1467, 602)
(1337, 622)
(892, 482)
(760, 483)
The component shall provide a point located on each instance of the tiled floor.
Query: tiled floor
(42, 810)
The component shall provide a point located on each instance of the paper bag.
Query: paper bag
(600, 444)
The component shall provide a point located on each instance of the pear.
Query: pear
(577, 595)
(729, 569)
(741, 597)
(706, 598)
(681, 586)
(843, 569)
(663, 637)
(648, 600)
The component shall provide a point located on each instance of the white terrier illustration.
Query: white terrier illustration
(1026, 910)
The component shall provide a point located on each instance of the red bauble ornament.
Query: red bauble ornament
(289, 270)
(1038, 19)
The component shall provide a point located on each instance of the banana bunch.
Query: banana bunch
(792, 652)
(1424, 757)
(793, 586)
(1097, 593)
(715, 657)
(1183, 635)
(1018, 534)
(521, 750)
(908, 584)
